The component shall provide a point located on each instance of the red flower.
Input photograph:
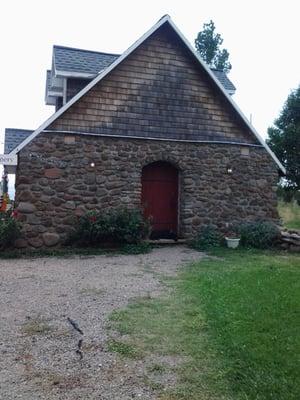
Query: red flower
(15, 214)
(93, 218)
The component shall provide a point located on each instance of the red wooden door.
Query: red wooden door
(160, 198)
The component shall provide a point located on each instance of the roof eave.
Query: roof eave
(70, 74)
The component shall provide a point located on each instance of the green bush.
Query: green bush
(260, 235)
(115, 226)
(9, 230)
(206, 238)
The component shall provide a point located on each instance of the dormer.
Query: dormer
(72, 69)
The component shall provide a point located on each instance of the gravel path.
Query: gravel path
(38, 345)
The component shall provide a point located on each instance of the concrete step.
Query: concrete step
(166, 241)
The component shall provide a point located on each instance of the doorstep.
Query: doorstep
(166, 241)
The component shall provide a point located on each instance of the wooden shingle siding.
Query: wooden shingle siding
(158, 91)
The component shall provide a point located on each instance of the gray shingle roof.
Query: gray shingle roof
(223, 78)
(13, 137)
(70, 59)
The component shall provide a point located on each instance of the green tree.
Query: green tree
(208, 44)
(284, 139)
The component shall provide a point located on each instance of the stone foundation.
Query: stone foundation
(290, 240)
(56, 182)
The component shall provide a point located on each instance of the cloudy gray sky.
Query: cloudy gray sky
(261, 36)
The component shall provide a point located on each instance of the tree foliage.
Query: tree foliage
(208, 44)
(284, 139)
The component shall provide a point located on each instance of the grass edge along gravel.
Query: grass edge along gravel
(128, 249)
(232, 319)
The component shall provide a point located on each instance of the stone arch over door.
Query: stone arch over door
(160, 181)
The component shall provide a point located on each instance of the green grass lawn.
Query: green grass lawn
(290, 214)
(233, 319)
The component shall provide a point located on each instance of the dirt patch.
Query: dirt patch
(39, 347)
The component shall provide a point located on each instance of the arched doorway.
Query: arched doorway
(160, 198)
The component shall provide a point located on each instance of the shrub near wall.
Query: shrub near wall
(207, 238)
(116, 226)
(9, 230)
(260, 235)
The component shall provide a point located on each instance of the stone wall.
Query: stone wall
(55, 182)
(290, 240)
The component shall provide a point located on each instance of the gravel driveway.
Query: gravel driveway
(37, 343)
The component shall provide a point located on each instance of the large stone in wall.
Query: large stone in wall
(51, 239)
(23, 179)
(35, 242)
(53, 173)
(70, 205)
(26, 208)
(25, 196)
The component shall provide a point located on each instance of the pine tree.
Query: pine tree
(208, 44)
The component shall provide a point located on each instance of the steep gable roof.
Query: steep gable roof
(164, 20)
(13, 137)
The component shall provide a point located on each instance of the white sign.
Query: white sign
(7, 159)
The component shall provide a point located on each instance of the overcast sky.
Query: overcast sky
(262, 38)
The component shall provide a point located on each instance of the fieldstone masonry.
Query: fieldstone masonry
(56, 183)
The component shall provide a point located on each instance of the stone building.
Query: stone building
(153, 127)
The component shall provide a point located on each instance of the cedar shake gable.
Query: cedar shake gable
(159, 91)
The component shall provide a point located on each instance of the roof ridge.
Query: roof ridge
(85, 50)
